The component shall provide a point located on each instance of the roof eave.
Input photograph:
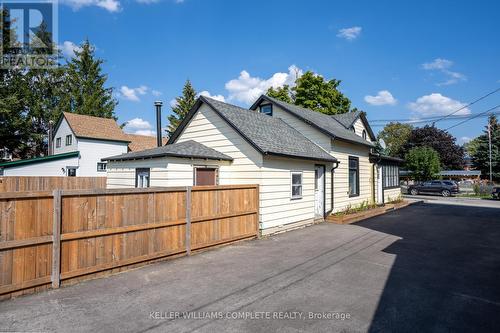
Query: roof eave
(36, 160)
(143, 157)
(332, 160)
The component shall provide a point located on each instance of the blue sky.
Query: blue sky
(396, 59)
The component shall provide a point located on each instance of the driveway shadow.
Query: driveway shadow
(446, 274)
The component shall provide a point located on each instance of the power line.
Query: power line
(419, 121)
(471, 103)
(439, 118)
(475, 116)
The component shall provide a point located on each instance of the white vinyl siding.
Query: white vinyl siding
(164, 172)
(211, 130)
(91, 152)
(342, 150)
(277, 206)
(62, 132)
(47, 168)
(392, 194)
(360, 127)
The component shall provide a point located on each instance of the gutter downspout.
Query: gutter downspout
(332, 172)
(373, 178)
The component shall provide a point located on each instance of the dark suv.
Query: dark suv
(443, 187)
(495, 193)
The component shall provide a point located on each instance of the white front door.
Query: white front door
(319, 191)
(380, 191)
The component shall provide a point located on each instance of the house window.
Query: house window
(364, 134)
(296, 184)
(142, 177)
(71, 171)
(69, 140)
(204, 176)
(390, 174)
(101, 167)
(58, 143)
(353, 176)
(267, 109)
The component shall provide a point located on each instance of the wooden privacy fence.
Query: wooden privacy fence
(49, 237)
(22, 183)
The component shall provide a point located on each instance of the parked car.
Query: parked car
(495, 193)
(442, 187)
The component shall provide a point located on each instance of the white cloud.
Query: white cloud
(247, 88)
(349, 33)
(132, 94)
(68, 49)
(443, 65)
(383, 97)
(139, 126)
(437, 63)
(156, 93)
(453, 77)
(173, 103)
(436, 104)
(145, 132)
(464, 140)
(109, 5)
(216, 97)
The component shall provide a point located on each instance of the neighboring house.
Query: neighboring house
(307, 164)
(79, 142)
(142, 142)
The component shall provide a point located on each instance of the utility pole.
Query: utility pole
(489, 145)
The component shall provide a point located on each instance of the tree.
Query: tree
(312, 91)
(451, 155)
(85, 85)
(423, 162)
(472, 146)
(480, 152)
(28, 98)
(395, 135)
(282, 93)
(182, 106)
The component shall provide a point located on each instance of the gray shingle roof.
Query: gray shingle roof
(346, 119)
(323, 122)
(186, 149)
(267, 134)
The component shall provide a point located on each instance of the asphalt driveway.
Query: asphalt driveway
(427, 267)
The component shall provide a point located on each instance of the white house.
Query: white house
(307, 164)
(79, 143)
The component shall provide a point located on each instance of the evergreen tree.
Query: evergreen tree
(44, 95)
(481, 152)
(182, 106)
(85, 85)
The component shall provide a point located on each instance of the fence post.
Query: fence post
(188, 220)
(56, 240)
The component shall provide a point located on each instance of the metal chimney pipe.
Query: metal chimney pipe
(50, 135)
(159, 140)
